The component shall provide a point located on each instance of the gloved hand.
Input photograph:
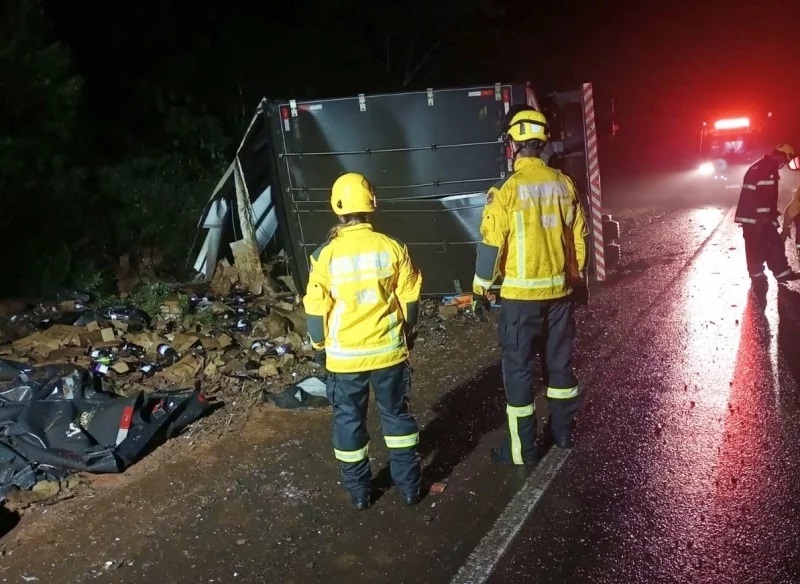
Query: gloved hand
(580, 291)
(320, 357)
(411, 339)
(481, 307)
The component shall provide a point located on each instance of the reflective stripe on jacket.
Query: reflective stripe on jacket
(758, 200)
(533, 230)
(363, 294)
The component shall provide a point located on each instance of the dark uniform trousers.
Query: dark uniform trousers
(526, 326)
(349, 396)
(763, 243)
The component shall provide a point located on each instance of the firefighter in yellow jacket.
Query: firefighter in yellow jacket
(362, 303)
(792, 215)
(533, 230)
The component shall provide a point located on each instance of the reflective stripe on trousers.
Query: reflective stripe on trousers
(349, 397)
(525, 328)
(514, 413)
(563, 393)
(763, 244)
(352, 455)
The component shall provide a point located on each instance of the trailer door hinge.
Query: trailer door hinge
(498, 93)
(430, 96)
(293, 107)
(362, 102)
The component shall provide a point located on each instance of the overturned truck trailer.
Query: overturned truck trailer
(431, 156)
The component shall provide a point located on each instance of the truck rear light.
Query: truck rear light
(732, 123)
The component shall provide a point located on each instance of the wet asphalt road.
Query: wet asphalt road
(685, 468)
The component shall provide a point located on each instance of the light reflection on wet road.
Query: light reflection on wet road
(687, 468)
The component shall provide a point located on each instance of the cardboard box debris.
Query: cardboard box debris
(182, 342)
(183, 371)
(26, 344)
(274, 325)
(171, 308)
(268, 369)
(210, 370)
(119, 326)
(61, 335)
(224, 278)
(200, 337)
(121, 367)
(220, 342)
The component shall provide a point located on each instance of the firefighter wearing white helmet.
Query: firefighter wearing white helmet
(757, 212)
(362, 303)
(533, 229)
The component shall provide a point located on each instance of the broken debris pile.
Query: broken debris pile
(307, 393)
(56, 420)
(217, 335)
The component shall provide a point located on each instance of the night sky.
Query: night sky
(668, 65)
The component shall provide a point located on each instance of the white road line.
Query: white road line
(484, 558)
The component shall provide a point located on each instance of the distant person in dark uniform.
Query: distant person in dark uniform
(757, 212)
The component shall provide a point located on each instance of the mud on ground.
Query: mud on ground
(208, 462)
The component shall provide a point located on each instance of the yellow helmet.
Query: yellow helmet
(528, 125)
(787, 150)
(352, 193)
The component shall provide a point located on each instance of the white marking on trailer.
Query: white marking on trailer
(483, 560)
(310, 107)
(285, 117)
(474, 93)
(125, 424)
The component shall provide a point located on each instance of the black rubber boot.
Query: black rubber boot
(361, 502)
(411, 499)
(498, 456)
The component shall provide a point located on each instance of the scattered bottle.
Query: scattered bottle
(167, 352)
(103, 356)
(196, 301)
(129, 349)
(278, 350)
(237, 298)
(149, 369)
(100, 369)
(127, 314)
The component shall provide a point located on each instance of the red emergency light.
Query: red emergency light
(732, 123)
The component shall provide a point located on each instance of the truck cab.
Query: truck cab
(729, 145)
